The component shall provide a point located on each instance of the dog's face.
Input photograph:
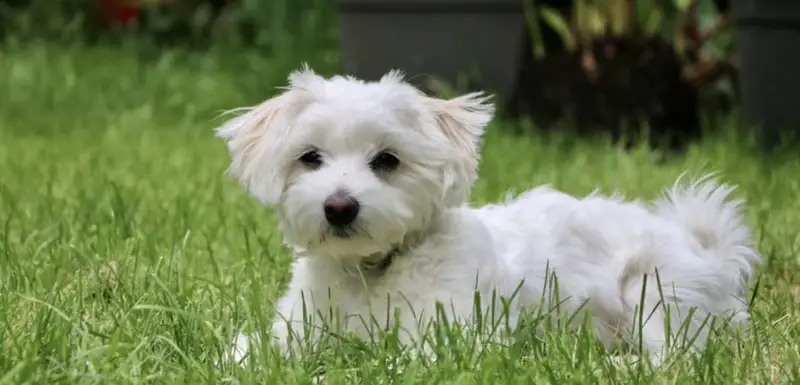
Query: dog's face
(354, 167)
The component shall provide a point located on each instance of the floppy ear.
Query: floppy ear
(463, 121)
(245, 136)
(254, 137)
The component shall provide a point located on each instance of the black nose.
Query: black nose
(341, 210)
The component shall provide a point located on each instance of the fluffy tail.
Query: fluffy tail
(703, 208)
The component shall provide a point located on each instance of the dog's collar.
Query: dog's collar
(377, 265)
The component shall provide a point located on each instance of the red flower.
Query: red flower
(120, 12)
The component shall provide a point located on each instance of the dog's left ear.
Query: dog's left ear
(463, 121)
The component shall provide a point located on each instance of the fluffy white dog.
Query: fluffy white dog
(371, 181)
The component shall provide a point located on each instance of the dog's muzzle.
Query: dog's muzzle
(341, 210)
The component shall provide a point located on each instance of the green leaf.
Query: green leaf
(682, 5)
(559, 24)
(535, 29)
(653, 22)
(596, 21)
(617, 15)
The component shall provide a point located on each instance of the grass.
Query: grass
(128, 256)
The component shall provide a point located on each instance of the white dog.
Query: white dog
(371, 181)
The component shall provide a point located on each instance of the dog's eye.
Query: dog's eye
(384, 162)
(311, 159)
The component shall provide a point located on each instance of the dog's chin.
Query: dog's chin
(342, 233)
(346, 245)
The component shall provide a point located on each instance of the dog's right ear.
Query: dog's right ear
(254, 137)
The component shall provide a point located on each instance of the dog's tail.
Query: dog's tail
(705, 210)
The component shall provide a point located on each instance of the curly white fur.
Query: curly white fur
(604, 252)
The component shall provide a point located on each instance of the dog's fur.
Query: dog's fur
(415, 241)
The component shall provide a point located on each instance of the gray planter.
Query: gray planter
(441, 38)
(769, 47)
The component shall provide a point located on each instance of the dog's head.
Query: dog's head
(353, 167)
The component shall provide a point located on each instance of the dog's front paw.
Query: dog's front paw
(246, 345)
(241, 349)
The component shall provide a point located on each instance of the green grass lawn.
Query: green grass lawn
(128, 256)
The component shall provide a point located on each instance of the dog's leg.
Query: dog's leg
(420, 319)
(653, 337)
(293, 327)
(673, 327)
(300, 315)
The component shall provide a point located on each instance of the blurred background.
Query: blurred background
(669, 68)
(127, 255)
